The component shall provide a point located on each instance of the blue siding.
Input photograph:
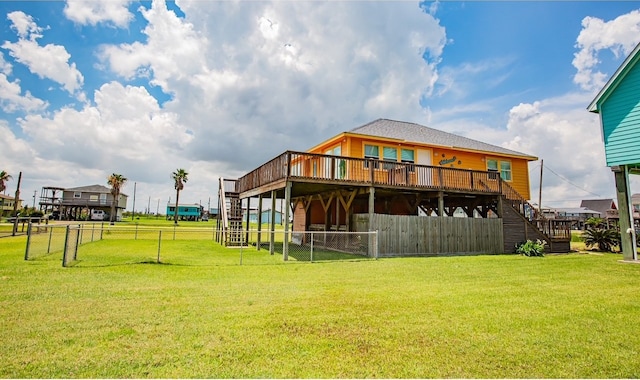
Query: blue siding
(184, 210)
(621, 121)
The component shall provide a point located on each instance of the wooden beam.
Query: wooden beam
(272, 224)
(287, 202)
(259, 221)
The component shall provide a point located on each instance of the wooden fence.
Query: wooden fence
(402, 235)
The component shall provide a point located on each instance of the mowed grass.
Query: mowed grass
(565, 316)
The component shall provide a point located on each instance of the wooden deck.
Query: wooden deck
(429, 187)
(318, 169)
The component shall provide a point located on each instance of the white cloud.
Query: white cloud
(24, 25)
(11, 98)
(125, 132)
(287, 73)
(94, 12)
(559, 131)
(619, 35)
(49, 61)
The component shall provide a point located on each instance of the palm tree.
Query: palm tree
(116, 181)
(4, 177)
(180, 178)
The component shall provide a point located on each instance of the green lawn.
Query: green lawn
(565, 316)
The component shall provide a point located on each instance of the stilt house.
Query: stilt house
(618, 104)
(425, 191)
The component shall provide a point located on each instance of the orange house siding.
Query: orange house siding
(353, 146)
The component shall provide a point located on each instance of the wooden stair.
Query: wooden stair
(229, 214)
(521, 222)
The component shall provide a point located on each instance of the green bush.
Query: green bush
(531, 248)
(605, 239)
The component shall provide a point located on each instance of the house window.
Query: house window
(505, 170)
(77, 194)
(408, 156)
(503, 167)
(103, 199)
(389, 154)
(371, 152)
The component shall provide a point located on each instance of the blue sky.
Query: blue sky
(220, 87)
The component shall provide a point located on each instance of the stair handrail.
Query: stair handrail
(548, 227)
(223, 203)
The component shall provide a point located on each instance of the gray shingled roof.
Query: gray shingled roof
(100, 189)
(600, 205)
(413, 132)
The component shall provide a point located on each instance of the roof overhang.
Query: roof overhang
(615, 79)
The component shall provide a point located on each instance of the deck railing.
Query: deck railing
(327, 168)
(361, 171)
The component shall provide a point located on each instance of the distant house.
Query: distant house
(192, 212)
(76, 203)
(602, 206)
(577, 215)
(7, 204)
(265, 216)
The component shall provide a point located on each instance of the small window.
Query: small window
(505, 170)
(389, 154)
(501, 168)
(77, 194)
(371, 152)
(407, 156)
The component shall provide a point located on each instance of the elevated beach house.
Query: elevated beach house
(618, 104)
(425, 191)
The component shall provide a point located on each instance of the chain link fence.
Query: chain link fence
(99, 244)
(44, 240)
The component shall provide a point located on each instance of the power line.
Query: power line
(571, 183)
(565, 179)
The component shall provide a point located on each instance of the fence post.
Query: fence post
(159, 243)
(241, 245)
(376, 240)
(64, 249)
(50, 237)
(78, 242)
(311, 259)
(101, 229)
(26, 251)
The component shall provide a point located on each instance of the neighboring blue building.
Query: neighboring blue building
(186, 212)
(266, 216)
(618, 104)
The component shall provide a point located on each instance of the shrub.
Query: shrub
(531, 248)
(605, 239)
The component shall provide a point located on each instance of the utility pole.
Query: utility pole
(15, 205)
(34, 199)
(540, 191)
(133, 213)
(149, 205)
